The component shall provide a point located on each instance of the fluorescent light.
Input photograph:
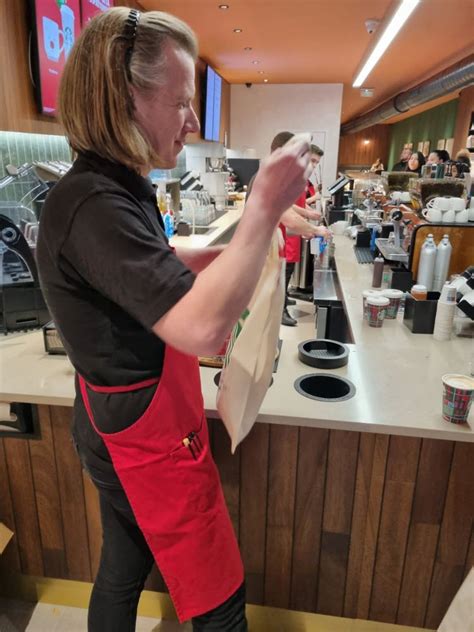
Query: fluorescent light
(400, 17)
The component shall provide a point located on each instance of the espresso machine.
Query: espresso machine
(22, 305)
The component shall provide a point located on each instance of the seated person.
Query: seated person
(377, 167)
(415, 163)
(403, 163)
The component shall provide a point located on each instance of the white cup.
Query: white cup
(405, 196)
(458, 204)
(462, 216)
(51, 35)
(448, 217)
(440, 203)
(471, 214)
(67, 19)
(432, 214)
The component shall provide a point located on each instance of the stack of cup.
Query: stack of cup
(445, 311)
(394, 296)
(376, 308)
(365, 296)
(458, 391)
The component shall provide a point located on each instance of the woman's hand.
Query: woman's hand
(281, 179)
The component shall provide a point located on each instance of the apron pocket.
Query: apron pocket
(196, 473)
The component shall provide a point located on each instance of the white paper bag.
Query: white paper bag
(252, 349)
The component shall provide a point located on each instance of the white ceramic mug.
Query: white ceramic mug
(458, 204)
(432, 214)
(448, 217)
(462, 216)
(440, 203)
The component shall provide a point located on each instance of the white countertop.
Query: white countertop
(219, 227)
(397, 374)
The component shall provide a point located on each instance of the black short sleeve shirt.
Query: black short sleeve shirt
(107, 271)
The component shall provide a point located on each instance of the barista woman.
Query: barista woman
(134, 314)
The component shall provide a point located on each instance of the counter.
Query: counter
(397, 374)
(362, 509)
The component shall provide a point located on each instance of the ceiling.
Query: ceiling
(324, 41)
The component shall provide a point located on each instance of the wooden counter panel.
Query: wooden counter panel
(364, 525)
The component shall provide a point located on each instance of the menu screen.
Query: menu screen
(89, 8)
(212, 121)
(58, 26)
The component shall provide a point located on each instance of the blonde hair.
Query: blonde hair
(95, 102)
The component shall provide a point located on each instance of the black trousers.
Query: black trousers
(288, 272)
(125, 564)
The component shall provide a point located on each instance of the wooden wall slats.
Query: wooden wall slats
(430, 495)
(280, 514)
(372, 459)
(253, 509)
(229, 469)
(24, 506)
(456, 529)
(71, 491)
(10, 558)
(311, 478)
(368, 526)
(354, 151)
(397, 503)
(43, 466)
(94, 526)
(338, 503)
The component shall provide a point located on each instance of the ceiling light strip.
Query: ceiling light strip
(400, 17)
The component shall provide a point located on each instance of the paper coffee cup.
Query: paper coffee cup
(458, 391)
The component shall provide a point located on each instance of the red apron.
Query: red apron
(166, 468)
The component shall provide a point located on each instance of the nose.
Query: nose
(192, 122)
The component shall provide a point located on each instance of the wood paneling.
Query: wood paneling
(18, 110)
(354, 151)
(364, 525)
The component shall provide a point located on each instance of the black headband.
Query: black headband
(130, 33)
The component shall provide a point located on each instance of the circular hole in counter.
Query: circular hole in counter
(325, 388)
(217, 378)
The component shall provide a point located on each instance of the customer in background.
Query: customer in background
(415, 162)
(404, 158)
(377, 167)
(438, 157)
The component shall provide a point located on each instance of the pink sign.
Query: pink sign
(89, 8)
(58, 26)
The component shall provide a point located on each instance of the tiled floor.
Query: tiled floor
(19, 616)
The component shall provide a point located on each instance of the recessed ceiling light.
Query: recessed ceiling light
(224, 6)
(261, 72)
(265, 81)
(255, 61)
(238, 30)
(248, 48)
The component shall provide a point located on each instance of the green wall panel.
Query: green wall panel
(431, 125)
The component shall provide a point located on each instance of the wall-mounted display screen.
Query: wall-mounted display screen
(56, 26)
(89, 8)
(212, 105)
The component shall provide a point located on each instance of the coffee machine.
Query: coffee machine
(21, 302)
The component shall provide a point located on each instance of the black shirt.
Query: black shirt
(108, 274)
(107, 271)
(400, 166)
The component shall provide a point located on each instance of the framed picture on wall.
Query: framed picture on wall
(449, 145)
(420, 146)
(426, 147)
(441, 143)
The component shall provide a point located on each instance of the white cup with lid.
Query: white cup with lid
(376, 308)
(365, 296)
(394, 296)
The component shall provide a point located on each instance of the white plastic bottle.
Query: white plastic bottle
(443, 257)
(426, 265)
